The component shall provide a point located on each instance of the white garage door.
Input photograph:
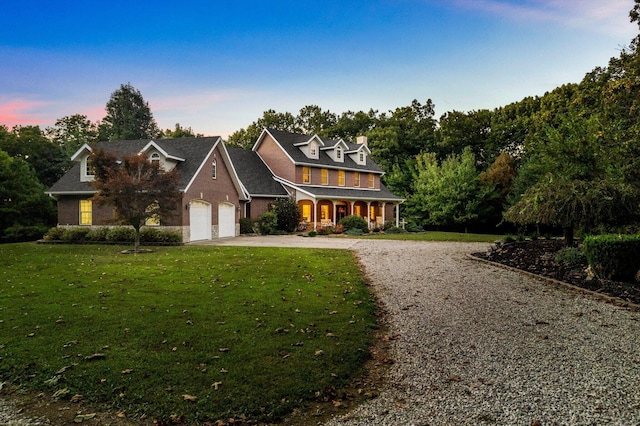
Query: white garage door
(226, 220)
(200, 221)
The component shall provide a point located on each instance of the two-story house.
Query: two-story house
(329, 178)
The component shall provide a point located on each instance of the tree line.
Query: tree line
(569, 159)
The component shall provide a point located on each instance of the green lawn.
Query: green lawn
(438, 236)
(203, 333)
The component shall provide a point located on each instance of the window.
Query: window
(357, 210)
(214, 169)
(341, 177)
(361, 157)
(339, 154)
(325, 177)
(324, 212)
(356, 178)
(88, 169)
(306, 212)
(371, 180)
(154, 220)
(86, 212)
(155, 159)
(306, 175)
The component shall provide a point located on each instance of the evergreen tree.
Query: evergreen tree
(128, 116)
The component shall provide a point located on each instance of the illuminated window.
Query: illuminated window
(325, 177)
(155, 159)
(306, 175)
(324, 212)
(372, 212)
(356, 178)
(341, 177)
(214, 169)
(371, 180)
(306, 212)
(154, 220)
(86, 212)
(357, 210)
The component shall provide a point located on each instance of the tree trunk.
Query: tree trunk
(136, 244)
(568, 236)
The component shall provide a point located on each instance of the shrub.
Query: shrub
(354, 222)
(54, 234)
(246, 226)
(75, 235)
(153, 235)
(121, 234)
(288, 214)
(569, 256)
(509, 239)
(268, 223)
(97, 234)
(339, 229)
(413, 227)
(17, 233)
(615, 257)
(312, 233)
(395, 230)
(354, 231)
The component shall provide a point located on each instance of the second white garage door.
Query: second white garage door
(226, 220)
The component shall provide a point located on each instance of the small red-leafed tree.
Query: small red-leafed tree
(138, 189)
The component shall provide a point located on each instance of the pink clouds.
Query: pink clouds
(21, 112)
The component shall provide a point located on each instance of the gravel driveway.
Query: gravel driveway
(477, 344)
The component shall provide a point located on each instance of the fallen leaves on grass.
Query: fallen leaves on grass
(189, 398)
(82, 417)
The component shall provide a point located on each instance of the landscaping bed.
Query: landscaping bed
(538, 257)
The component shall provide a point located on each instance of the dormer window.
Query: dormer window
(155, 159)
(88, 170)
(339, 154)
(361, 157)
(313, 152)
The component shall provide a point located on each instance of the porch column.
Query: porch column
(397, 215)
(315, 215)
(384, 216)
(369, 214)
(335, 212)
(351, 204)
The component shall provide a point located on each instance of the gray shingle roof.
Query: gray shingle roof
(288, 140)
(192, 150)
(254, 174)
(349, 193)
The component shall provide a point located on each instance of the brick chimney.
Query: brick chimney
(362, 140)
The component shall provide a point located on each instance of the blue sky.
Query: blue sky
(216, 66)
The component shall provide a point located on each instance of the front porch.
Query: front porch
(323, 213)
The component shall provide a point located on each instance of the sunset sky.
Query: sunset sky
(216, 66)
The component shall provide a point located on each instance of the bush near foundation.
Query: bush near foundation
(115, 234)
(615, 257)
(354, 222)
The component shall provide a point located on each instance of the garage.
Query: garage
(226, 220)
(200, 220)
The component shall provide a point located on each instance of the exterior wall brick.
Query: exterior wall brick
(277, 160)
(213, 191)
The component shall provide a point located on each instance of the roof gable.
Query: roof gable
(290, 143)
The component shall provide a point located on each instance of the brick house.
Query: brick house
(329, 178)
(211, 191)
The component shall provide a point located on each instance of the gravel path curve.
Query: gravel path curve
(478, 344)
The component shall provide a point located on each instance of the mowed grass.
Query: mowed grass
(198, 333)
(438, 236)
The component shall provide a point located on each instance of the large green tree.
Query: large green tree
(71, 132)
(30, 144)
(450, 193)
(128, 116)
(25, 211)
